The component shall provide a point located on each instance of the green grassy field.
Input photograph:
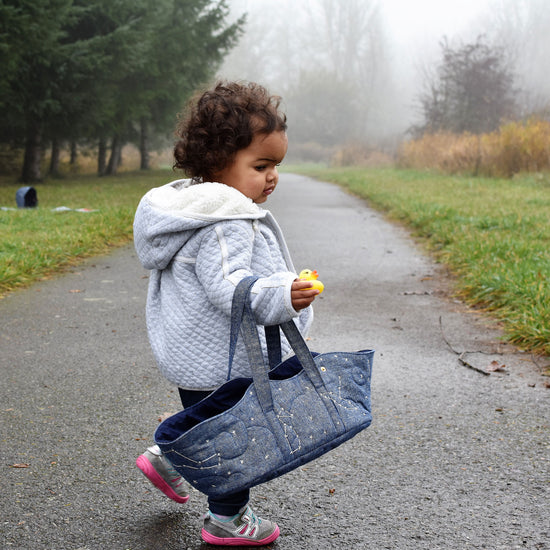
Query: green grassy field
(37, 242)
(493, 234)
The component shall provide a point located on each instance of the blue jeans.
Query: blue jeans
(228, 505)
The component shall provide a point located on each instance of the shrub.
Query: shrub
(519, 147)
(515, 147)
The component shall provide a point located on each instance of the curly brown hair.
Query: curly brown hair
(222, 121)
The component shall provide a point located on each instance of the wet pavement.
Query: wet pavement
(454, 459)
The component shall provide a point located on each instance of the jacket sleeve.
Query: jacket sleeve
(225, 257)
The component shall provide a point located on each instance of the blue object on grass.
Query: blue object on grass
(25, 197)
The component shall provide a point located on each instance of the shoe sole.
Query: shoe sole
(152, 475)
(238, 541)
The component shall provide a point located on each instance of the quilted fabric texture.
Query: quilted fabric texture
(243, 447)
(251, 431)
(199, 241)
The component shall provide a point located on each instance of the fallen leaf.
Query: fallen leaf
(20, 465)
(75, 291)
(495, 366)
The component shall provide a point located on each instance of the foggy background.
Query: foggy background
(352, 71)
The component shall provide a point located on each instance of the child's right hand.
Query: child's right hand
(301, 293)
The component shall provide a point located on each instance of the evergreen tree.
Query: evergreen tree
(188, 41)
(31, 51)
(99, 70)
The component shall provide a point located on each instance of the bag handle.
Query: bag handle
(300, 348)
(242, 318)
(273, 342)
(240, 296)
(272, 334)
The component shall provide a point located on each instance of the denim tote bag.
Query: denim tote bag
(251, 430)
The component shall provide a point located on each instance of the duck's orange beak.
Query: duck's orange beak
(314, 274)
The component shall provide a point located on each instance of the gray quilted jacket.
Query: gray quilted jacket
(199, 241)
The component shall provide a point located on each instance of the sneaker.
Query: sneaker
(245, 529)
(162, 474)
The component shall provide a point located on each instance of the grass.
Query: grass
(494, 234)
(38, 242)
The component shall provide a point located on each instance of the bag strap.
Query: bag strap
(273, 343)
(249, 331)
(272, 333)
(299, 346)
(242, 318)
(240, 297)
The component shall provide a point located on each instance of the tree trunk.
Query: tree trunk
(114, 159)
(54, 159)
(74, 153)
(119, 158)
(102, 157)
(33, 153)
(144, 145)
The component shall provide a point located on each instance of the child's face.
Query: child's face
(254, 169)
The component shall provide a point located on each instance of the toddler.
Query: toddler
(200, 237)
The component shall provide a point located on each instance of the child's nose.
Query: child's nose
(273, 174)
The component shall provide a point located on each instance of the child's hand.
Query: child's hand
(302, 294)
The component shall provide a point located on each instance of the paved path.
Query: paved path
(453, 460)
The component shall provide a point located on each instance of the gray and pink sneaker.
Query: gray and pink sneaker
(162, 474)
(244, 529)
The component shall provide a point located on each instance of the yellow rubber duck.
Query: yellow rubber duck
(312, 275)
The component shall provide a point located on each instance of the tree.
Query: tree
(472, 90)
(102, 70)
(345, 39)
(520, 27)
(30, 41)
(324, 57)
(322, 109)
(197, 38)
(163, 50)
(81, 90)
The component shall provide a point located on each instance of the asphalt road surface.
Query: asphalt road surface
(454, 459)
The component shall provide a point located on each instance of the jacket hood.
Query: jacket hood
(168, 216)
